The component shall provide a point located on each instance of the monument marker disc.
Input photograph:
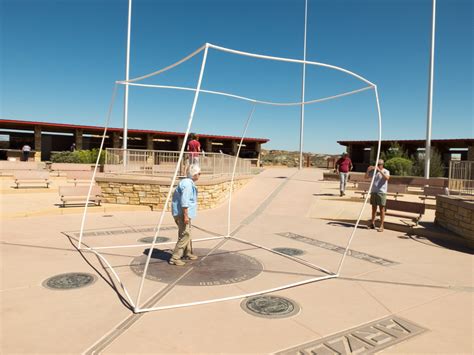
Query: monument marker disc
(221, 267)
(69, 281)
(270, 306)
(149, 240)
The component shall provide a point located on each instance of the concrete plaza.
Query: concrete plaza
(396, 294)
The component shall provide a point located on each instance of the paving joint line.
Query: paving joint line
(374, 298)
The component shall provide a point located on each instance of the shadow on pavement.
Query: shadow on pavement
(439, 243)
(347, 224)
(107, 277)
(159, 254)
(426, 233)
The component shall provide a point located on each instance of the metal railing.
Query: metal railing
(461, 177)
(163, 163)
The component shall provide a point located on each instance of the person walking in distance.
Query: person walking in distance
(26, 149)
(184, 207)
(378, 193)
(343, 166)
(194, 147)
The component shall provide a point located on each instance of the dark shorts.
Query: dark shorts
(378, 199)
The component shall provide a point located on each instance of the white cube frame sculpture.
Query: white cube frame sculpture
(136, 305)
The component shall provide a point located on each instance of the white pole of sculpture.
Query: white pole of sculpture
(430, 95)
(303, 84)
(127, 76)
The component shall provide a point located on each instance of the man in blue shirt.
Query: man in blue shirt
(378, 193)
(184, 206)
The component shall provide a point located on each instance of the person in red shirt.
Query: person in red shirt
(343, 166)
(194, 148)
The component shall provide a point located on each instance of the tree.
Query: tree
(395, 151)
(437, 167)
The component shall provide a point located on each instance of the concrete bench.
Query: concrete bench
(357, 178)
(430, 192)
(79, 176)
(78, 194)
(31, 177)
(411, 208)
(64, 167)
(438, 182)
(10, 167)
(422, 182)
(393, 190)
(398, 189)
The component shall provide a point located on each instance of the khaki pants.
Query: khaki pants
(183, 246)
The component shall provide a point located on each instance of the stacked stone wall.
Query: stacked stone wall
(154, 194)
(456, 214)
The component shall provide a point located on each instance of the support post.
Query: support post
(373, 155)
(258, 149)
(430, 95)
(207, 145)
(115, 140)
(149, 142)
(349, 150)
(78, 139)
(234, 147)
(37, 156)
(470, 153)
(179, 143)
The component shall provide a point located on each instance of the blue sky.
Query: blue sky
(60, 60)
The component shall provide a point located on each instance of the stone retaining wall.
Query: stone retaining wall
(153, 192)
(417, 181)
(456, 213)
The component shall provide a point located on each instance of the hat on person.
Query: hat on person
(193, 170)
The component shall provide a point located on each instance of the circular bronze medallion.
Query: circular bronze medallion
(69, 281)
(289, 251)
(270, 306)
(221, 267)
(149, 240)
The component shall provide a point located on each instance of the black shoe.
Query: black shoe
(371, 226)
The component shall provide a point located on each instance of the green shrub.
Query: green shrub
(64, 157)
(89, 156)
(399, 166)
(78, 157)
